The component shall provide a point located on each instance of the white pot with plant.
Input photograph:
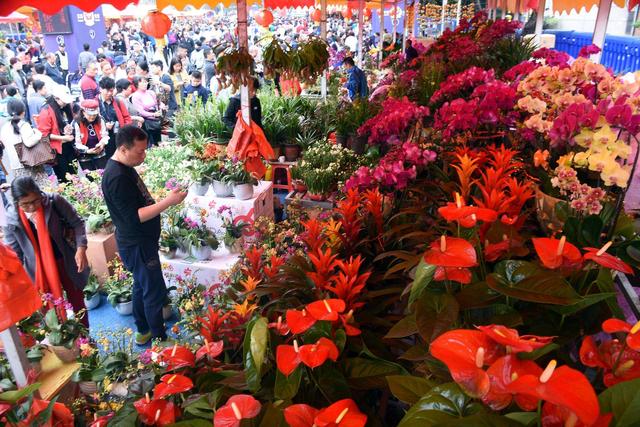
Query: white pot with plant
(119, 287)
(200, 176)
(197, 237)
(234, 227)
(92, 293)
(240, 178)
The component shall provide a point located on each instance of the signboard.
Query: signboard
(57, 23)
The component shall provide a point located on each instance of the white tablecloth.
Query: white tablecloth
(260, 205)
(205, 272)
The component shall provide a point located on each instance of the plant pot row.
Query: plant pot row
(221, 189)
(291, 152)
(201, 253)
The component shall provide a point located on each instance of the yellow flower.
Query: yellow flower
(582, 159)
(584, 138)
(620, 149)
(614, 174)
(129, 331)
(565, 160)
(245, 308)
(599, 161)
(605, 136)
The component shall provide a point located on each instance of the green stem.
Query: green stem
(539, 423)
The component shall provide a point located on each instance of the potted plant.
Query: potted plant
(218, 173)
(240, 178)
(168, 243)
(62, 332)
(233, 229)
(35, 354)
(297, 181)
(197, 238)
(119, 287)
(200, 178)
(92, 293)
(91, 371)
(220, 133)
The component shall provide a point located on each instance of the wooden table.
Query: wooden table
(55, 375)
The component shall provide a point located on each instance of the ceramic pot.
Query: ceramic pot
(546, 212)
(124, 308)
(169, 253)
(202, 253)
(199, 189)
(243, 191)
(88, 387)
(317, 197)
(167, 312)
(221, 189)
(342, 140)
(92, 302)
(276, 152)
(66, 355)
(119, 389)
(359, 143)
(291, 152)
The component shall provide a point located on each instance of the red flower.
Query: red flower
(451, 252)
(102, 421)
(211, 323)
(460, 275)
(314, 355)
(288, 357)
(210, 350)
(177, 357)
(281, 327)
(493, 251)
(172, 384)
(466, 352)
(633, 331)
(564, 387)
(254, 259)
(618, 362)
(503, 372)
(274, 266)
(554, 415)
(237, 408)
(601, 257)
(343, 413)
(313, 235)
(466, 216)
(324, 263)
(554, 253)
(299, 321)
(351, 330)
(510, 337)
(326, 309)
(300, 415)
(156, 412)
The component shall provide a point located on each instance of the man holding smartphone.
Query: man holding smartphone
(113, 111)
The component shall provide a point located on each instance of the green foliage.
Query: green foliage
(195, 120)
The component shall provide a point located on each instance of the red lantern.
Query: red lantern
(156, 24)
(316, 15)
(346, 14)
(264, 17)
(367, 13)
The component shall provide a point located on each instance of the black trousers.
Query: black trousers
(64, 162)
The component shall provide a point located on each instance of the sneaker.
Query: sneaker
(142, 339)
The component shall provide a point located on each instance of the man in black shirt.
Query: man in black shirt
(137, 219)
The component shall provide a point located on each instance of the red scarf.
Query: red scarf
(47, 278)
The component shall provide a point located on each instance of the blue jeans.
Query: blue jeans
(149, 289)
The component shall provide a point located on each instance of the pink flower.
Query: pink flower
(587, 51)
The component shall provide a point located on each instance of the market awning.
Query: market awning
(13, 18)
(52, 6)
(567, 6)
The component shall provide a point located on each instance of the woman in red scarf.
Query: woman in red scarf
(50, 240)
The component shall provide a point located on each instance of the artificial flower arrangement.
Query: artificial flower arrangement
(85, 195)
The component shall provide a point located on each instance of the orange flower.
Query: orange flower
(541, 159)
(250, 284)
(245, 308)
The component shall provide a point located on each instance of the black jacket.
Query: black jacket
(230, 116)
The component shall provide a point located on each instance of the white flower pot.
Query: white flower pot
(243, 191)
(221, 189)
(88, 387)
(202, 253)
(169, 253)
(167, 312)
(199, 190)
(92, 302)
(124, 308)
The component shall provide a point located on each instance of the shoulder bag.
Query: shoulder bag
(38, 155)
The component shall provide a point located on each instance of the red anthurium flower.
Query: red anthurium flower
(554, 415)
(601, 257)
(177, 357)
(326, 309)
(556, 253)
(281, 327)
(451, 252)
(564, 387)
(102, 421)
(633, 331)
(503, 372)
(618, 362)
(237, 408)
(299, 321)
(508, 220)
(466, 352)
(172, 384)
(210, 349)
(510, 337)
(343, 413)
(314, 355)
(346, 320)
(467, 216)
(288, 358)
(156, 412)
(455, 274)
(493, 251)
(453, 212)
(300, 415)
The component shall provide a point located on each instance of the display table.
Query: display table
(55, 375)
(205, 272)
(260, 205)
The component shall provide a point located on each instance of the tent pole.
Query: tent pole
(458, 12)
(394, 23)
(516, 13)
(444, 8)
(405, 25)
(243, 42)
(323, 36)
(381, 28)
(360, 31)
(539, 19)
(600, 31)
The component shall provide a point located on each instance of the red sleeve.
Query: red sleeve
(126, 117)
(44, 122)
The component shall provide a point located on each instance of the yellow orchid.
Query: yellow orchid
(615, 174)
(600, 161)
(584, 138)
(581, 159)
(620, 149)
(605, 136)
(245, 308)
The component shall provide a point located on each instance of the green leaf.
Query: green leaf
(590, 231)
(185, 423)
(404, 328)
(587, 301)
(416, 353)
(44, 416)
(12, 396)
(543, 287)
(126, 416)
(424, 276)
(331, 381)
(251, 373)
(259, 341)
(409, 388)
(273, 417)
(200, 408)
(51, 319)
(538, 353)
(425, 418)
(605, 284)
(483, 419)
(446, 399)
(286, 388)
(515, 270)
(476, 295)
(623, 400)
(340, 339)
(435, 313)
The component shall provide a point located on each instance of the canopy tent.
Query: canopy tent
(132, 10)
(50, 7)
(14, 18)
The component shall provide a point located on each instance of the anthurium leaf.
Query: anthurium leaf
(424, 276)
(475, 295)
(366, 374)
(435, 313)
(623, 400)
(259, 342)
(625, 226)
(482, 419)
(12, 396)
(199, 408)
(409, 388)
(424, 418)
(185, 423)
(404, 328)
(605, 283)
(416, 353)
(273, 417)
(126, 416)
(251, 373)
(590, 231)
(332, 382)
(287, 387)
(543, 287)
(515, 270)
(586, 301)
(446, 399)
(536, 354)
(524, 418)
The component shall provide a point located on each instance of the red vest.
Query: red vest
(84, 132)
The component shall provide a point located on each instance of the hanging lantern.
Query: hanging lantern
(264, 17)
(316, 15)
(156, 24)
(367, 13)
(346, 14)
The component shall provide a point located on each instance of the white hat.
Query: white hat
(62, 93)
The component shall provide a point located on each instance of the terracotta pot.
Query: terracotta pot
(88, 387)
(276, 152)
(342, 140)
(291, 152)
(546, 212)
(359, 143)
(317, 197)
(66, 355)
(243, 191)
(221, 189)
(124, 308)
